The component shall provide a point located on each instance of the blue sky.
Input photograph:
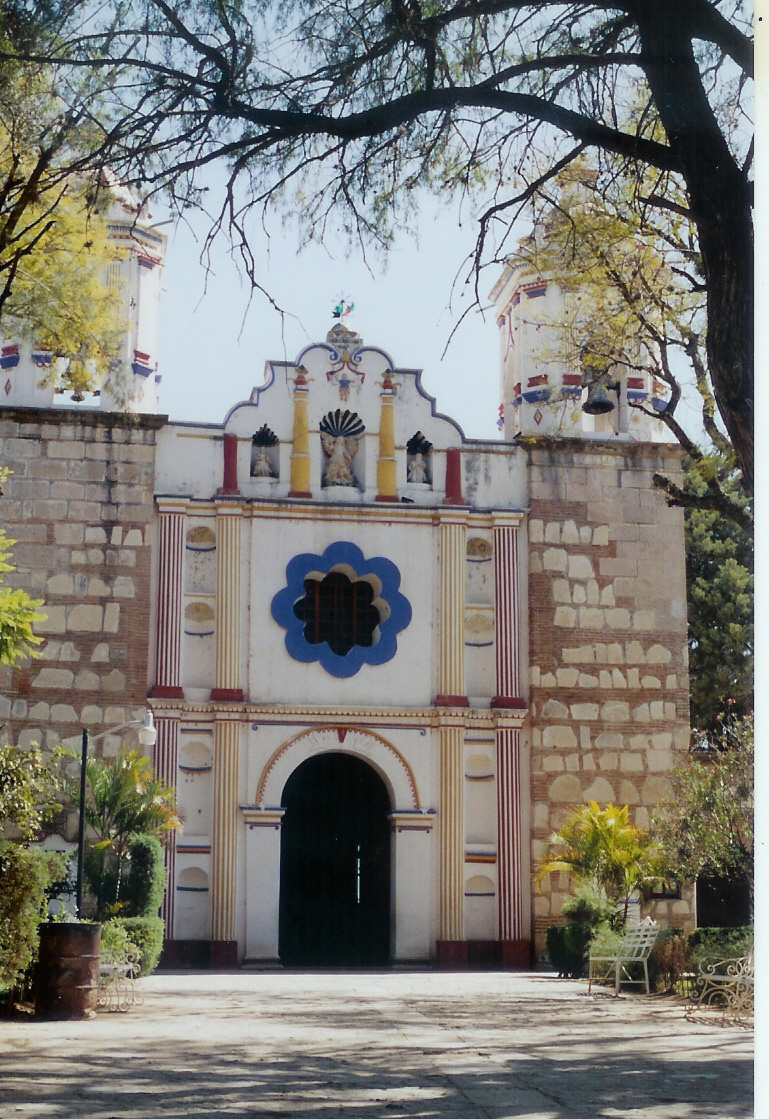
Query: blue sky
(213, 345)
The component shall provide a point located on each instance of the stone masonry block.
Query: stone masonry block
(68, 533)
(554, 709)
(553, 533)
(610, 568)
(631, 763)
(584, 711)
(656, 789)
(133, 538)
(53, 678)
(584, 680)
(566, 789)
(561, 590)
(651, 682)
(555, 559)
(580, 567)
(658, 654)
(63, 713)
(590, 618)
(567, 678)
(601, 536)
(615, 712)
(536, 531)
(55, 620)
(628, 793)
(111, 617)
(570, 533)
(559, 737)
(618, 618)
(585, 534)
(584, 654)
(565, 617)
(600, 790)
(85, 618)
(553, 763)
(91, 715)
(580, 594)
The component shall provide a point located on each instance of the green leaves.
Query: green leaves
(28, 789)
(599, 846)
(707, 826)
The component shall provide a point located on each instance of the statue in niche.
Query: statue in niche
(261, 466)
(339, 433)
(417, 469)
(418, 452)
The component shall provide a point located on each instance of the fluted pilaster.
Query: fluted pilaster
(168, 639)
(228, 611)
(225, 829)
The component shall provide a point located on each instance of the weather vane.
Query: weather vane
(343, 308)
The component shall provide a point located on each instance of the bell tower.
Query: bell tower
(551, 383)
(30, 376)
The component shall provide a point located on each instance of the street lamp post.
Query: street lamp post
(147, 737)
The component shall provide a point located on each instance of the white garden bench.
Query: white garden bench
(727, 982)
(119, 985)
(634, 948)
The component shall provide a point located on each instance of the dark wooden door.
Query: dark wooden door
(335, 865)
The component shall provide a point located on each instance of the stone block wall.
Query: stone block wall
(608, 641)
(79, 503)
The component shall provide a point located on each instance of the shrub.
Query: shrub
(146, 882)
(668, 961)
(115, 945)
(568, 945)
(25, 876)
(719, 943)
(146, 933)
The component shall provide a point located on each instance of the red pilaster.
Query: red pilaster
(453, 477)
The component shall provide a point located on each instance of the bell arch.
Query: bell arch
(391, 765)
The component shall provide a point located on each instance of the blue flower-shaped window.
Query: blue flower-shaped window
(341, 609)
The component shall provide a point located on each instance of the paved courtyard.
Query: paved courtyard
(377, 1046)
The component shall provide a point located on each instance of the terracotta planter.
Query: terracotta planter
(68, 970)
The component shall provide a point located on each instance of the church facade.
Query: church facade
(384, 659)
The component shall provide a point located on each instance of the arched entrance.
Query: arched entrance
(335, 865)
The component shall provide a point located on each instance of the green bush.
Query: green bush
(668, 960)
(25, 875)
(147, 934)
(719, 943)
(146, 881)
(568, 946)
(115, 944)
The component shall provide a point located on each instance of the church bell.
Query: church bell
(598, 402)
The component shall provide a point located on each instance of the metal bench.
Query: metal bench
(634, 948)
(119, 985)
(727, 982)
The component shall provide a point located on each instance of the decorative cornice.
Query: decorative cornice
(312, 715)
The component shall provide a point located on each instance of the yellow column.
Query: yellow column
(451, 834)
(451, 659)
(225, 830)
(300, 446)
(452, 950)
(227, 684)
(387, 489)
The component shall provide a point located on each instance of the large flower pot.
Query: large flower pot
(68, 970)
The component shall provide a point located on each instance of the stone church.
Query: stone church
(383, 657)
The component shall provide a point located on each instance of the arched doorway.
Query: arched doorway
(335, 865)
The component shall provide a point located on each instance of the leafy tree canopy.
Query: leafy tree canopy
(18, 611)
(54, 252)
(635, 304)
(601, 848)
(342, 113)
(707, 825)
(123, 799)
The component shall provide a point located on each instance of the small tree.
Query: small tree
(125, 799)
(601, 847)
(706, 828)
